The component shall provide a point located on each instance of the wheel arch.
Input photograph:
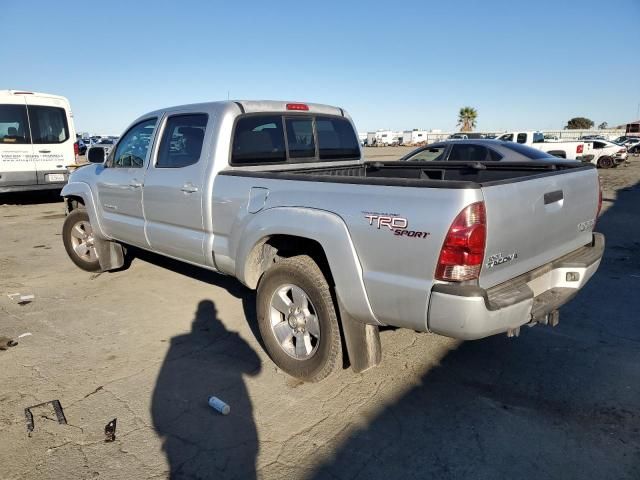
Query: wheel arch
(80, 193)
(297, 230)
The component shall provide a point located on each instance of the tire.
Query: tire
(77, 236)
(605, 162)
(297, 350)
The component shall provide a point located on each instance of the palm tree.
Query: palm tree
(467, 118)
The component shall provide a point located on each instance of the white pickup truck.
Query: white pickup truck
(277, 195)
(571, 150)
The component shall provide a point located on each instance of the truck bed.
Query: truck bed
(419, 174)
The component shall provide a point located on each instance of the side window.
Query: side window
(469, 153)
(181, 143)
(14, 127)
(598, 145)
(336, 139)
(429, 154)
(300, 137)
(538, 137)
(522, 138)
(134, 146)
(258, 139)
(48, 124)
(507, 137)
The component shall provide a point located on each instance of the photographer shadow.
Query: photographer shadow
(198, 441)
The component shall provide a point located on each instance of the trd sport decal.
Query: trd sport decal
(398, 225)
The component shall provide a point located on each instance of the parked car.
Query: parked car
(631, 141)
(634, 150)
(607, 154)
(82, 147)
(593, 137)
(571, 150)
(620, 140)
(477, 151)
(336, 246)
(37, 141)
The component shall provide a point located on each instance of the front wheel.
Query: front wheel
(78, 239)
(297, 319)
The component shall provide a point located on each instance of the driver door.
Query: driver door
(120, 183)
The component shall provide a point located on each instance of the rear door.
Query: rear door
(532, 222)
(173, 188)
(16, 154)
(53, 136)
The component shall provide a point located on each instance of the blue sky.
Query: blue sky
(392, 65)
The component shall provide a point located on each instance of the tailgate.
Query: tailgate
(532, 222)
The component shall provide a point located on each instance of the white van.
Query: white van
(37, 139)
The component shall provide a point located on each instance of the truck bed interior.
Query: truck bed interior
(421, 174)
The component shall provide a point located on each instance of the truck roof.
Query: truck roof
(257, 106)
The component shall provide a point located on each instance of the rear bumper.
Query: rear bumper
(469, 312)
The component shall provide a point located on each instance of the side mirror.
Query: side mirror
(96, 155)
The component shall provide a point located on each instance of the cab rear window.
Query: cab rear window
(14, 126)
(336, 139)
(269, 139)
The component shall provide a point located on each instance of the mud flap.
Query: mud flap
(110, 254)
(362, 341)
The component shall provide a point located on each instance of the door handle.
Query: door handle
(189, 188)
(44, 151)
(135, 184)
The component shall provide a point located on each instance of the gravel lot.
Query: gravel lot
(148, 345)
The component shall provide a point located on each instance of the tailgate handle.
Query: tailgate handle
(553, 197)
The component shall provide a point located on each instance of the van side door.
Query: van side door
(17, 167)
(173, 188)
(119, 183)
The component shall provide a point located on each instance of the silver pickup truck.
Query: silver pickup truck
(278, 195)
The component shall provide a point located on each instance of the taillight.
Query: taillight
(579, 148)
(297, 106)
(462, 252)
(76, 148)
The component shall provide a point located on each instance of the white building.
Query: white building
(411, 137)
(384, 137)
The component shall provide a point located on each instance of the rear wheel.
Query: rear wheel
(79, 241)
(297, 319)
(605, 162)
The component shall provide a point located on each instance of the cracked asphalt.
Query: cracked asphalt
(149, 345)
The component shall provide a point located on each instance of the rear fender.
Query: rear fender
(326, 228)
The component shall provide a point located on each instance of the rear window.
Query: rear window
(14, 127)
(336, 139)
(300, 137)
(538, 137)
(260, 139)
(48, 124)
(528, 152)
